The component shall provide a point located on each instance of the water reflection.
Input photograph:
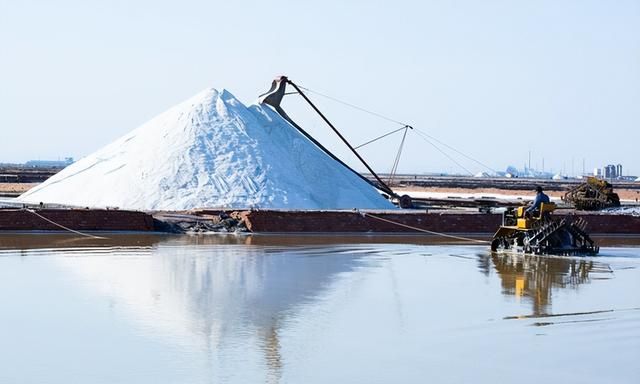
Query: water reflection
(13, 241)
(535, 277)
(310, 309)
(221, 297)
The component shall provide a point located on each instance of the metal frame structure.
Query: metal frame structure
(274, 96)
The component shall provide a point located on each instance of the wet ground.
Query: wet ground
(293, 309)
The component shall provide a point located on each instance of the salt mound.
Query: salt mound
(210, 151)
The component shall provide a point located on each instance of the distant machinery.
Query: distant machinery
(593, 195)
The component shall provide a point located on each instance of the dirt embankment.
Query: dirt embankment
(17, 188)
(624, 194)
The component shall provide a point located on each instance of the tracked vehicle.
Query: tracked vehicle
(542, 233)
(592, 195)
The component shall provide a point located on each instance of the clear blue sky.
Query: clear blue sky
(494, 79)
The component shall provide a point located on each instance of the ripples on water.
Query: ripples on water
(154, 309)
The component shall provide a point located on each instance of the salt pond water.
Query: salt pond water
(245, 309)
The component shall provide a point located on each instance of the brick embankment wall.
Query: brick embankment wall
(345, 221)
(611, 224)
(445, 222)
(77, 219)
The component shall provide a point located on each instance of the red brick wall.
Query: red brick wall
(299, 221)
(614, 224)
(447, 222)
(78, 219)
(310, 221)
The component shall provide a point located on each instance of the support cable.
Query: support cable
(396, 162)
(63, 227)
(365, 214)
(398, 122)
(382, 137)
(457, 151)
(383, 186)
(444, 153)
(355, 106)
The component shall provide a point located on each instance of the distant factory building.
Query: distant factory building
(609, 171)
(49, 163)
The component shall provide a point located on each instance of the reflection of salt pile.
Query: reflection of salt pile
(210, 151)
(212, 293)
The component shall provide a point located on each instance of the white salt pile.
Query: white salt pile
(210, 151)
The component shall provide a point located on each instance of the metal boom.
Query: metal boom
(274, 96)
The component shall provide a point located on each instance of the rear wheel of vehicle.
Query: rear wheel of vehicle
(499, 243)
